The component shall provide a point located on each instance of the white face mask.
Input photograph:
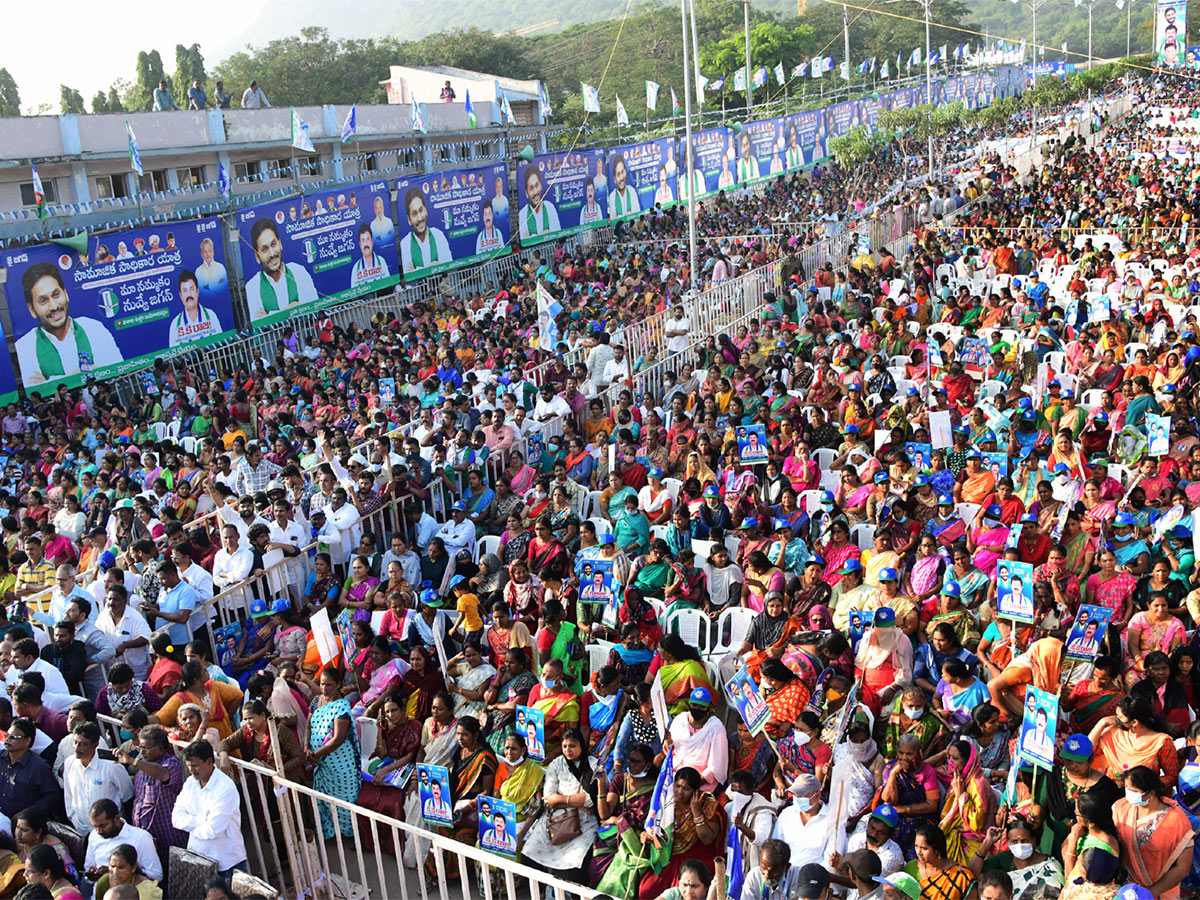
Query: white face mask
(513, 763)
(641, 774)
(801, 738)
(1136, 798)
(1021, 851)
(862, 752)
(914, 712)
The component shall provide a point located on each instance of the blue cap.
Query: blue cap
(885, 617)
(107, 560)
(850, 429)
(922, 480)
(281, 605)
(961, 429)
(1029, 519)
(1180, 532)
(1055, 383)
(945, 500)
(656, 472)
(1133, 891)
(1068, 393)
(827, 497)
(457, 580)
(988, 435)
(712, 491)
(1189, 778)
(1192, 354)
(1124, 520)
(1168, 388)
(606, 539)
(951, 589)
(780, 524)
(887, 814)
(995, 511)
(258, 609)
(888, 574)
(1061, 467)
(881, 477)
(815, 560)
(1025, 403)
(430, 598)
(1029, 415)
(749, 522)
(1101, 416)
(913, 392)
(1078, 748)
(974, 454)
(458, 506)
(699, 697)
(851, 565)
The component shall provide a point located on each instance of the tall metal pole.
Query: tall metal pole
(689, 164)
(691, 4)
(749, 83)
(846, 41)
(1128, 20)
(928, 79)
(1090, 6)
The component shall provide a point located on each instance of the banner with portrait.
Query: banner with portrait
(433, 789)
(711, 163)
(1039, 725)
(531, 725)
(498, 826)
(1170, 33)
(1014, 590)
(752, 444)
(559, 194)
(744, 694)
(446, 220)
(641, 176)
(843, 117)
(760, 150)
(807, 139)
(1087, 633)
(310, 251)
(134, 296)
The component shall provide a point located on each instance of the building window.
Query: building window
(48, 188)
(308, 165)
(112, 187)
(244, 171)
(444, 153)
(153, 181)
(279, 168)
(369, 163)
(190, 177)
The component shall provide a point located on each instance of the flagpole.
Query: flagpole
(689, 164)
(749, 82)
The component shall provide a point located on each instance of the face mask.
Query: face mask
(914, 713)
(641, 774)
(541, 495)
(1021, 851)
(834, 696)
(828, 507)
(549, 684)
(803, 804)
(862, 752)
(801, 738)
(512, 764)
(1136, 798)
(699, 715)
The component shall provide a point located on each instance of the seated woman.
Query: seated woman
(396, 746)
(623, 804)
(970, 803)
(637, 727)
(567, 794)
(1032, 873)
(508, 690)
(30, 830)
(697, 834)
(382, 675)
(939, 875)
(1157, 840)
(45, 867)
(558, 703)
(221, 701)
(768, 635)
(472, 774)
(910, 785)
(519, 781)
(124, 868)
(631, 658)
(680, 670)
(1134, 736)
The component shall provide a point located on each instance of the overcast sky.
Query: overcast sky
(88, 46)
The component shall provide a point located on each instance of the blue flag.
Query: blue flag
(663, 789)
(223, 183)
(350, 126)
(733, 862)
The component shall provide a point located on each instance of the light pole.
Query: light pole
(749, 81)
(689, 164)
(846, 39)
(928, 78)
(1128, 4)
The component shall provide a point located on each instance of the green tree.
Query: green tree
(149, 73)
(10, 97)
(189, 66)
(770, 44)
(71, 100)
(100, 102)
(114, 100)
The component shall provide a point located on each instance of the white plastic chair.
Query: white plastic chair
(830, 480)
(967, 512)
(692, 625)
(160, 430)
(732, 542)
(603, 526)
(489, 543)
(368, 737)
(658, 531)
(1092, 399)
(731, 629)
(188, 444)
(1131, 350)
(591, 505)
(1056, 361)
(990, 389)
(863, 534)
(673, 487)
(597, 652)
(174, 429)
(810, 501)
(823, 457)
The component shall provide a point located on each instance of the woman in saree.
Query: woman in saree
(630, 658)
(472, 775)
(786, 697)
(762, 578)
(1107, 372)
(520, 476)
(1157, 840)
(951, 612)
(1155, 629)
(507, 502)
(382, 674)
(769, 633)
(519, 780)
(653, 572)
(564, 521)
(506, 634)
(851, 496)
(439, 740)
(970, 805)
(557, 702)
(910, 786)
(680, 670)
(1112, 589)
(219, 701)
(421, 683)
(940, 876)
(1135, 736)
(697, 834)
(923, 580)
(523, 593)
(558, 639)
(1033, 874)
(911, 714)
(508, 690)
(470, 673)
(988, 540)
(1070, 787)
(1080, 546)
(972, 583)
(548, 559)
(479, 499)
(569, 786)
(637, 610)
(1096, 698)
(397, 744)
(836, 551)
(883, 662)
(623, 803)
(333, 752)
(358, 588)
(803, 472)
(514, 542)
(1094, 511)
(1001, 641)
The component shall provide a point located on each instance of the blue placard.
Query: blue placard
(433, 787)
(498, 826)
(812, 136)
(595, 580)
(1038, 727)
(135, 296)
(752, 444)
(641, 176)
(843, 117)
(745, 695)
(1087, 633)
(760, 150)
(450, 219)
(315, 249)
(568, 193)
(1014, 590)
(531, 725)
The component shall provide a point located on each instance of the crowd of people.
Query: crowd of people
(935, 643)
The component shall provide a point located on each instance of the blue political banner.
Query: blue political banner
(306, 252)
(451, 219)
(760, 150)
(135, 296)
(952, 90)
(641, 176)
(872, 107)
(842, 117)
(560, 194)
(812, 137)
(710, 162)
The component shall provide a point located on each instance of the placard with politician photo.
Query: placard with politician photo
(560, 194)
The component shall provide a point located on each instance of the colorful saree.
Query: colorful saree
(1151, 847)
(678, 680)
(562, 711)
(967, 815)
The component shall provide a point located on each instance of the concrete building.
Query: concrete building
(487, 91)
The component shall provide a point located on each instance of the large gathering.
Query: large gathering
(845, 547)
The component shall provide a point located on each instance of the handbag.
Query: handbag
(563, 825)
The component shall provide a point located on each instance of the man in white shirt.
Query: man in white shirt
(110, 831)
(677, 331)
(88, 778)
(278, 286)
(700, 740)
(210, 811)
(549, 405)
(617, 369)
(65, 588)
(459, 532)
(289, 536)
(806, 825)
(344, 516)
(232, 562)
(254, 98)
(194, 574)
(128, 630)
(25, 658)
(422, 526)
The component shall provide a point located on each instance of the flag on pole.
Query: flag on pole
(675, 110)
(591, 99)
(872, 65)
(883, 72)
(862, 67)
(817, 67)
(701, 84)
(135, 158)
(915, 59)
(472, 119)
(300, 138)
(548, 309)
(780, 75)
(739, 80)
(942, 56)
(622, 116)
(897, 62)
(828, 64)
(418, 123)
(844, 69)
(223, 183)
(733, 862)
(506, 110)
(664, 788)
(652, 95)
(543, 101)
(350, 126)
(760, 76)
(39, 195)
(800, 70)
(717, 85)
